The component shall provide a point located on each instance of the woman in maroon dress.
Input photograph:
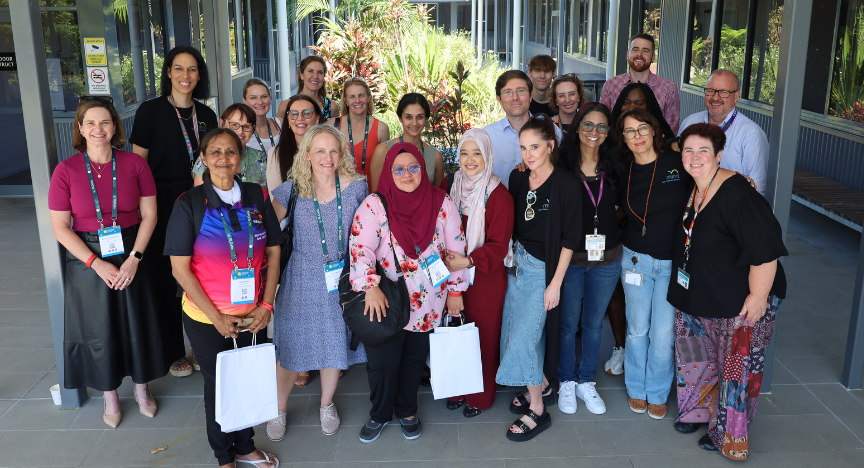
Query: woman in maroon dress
(486, 208)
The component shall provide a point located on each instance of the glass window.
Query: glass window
(701, 42)
(63, 54)
(234, 36)
(766, 51)
(587, 28)
(142, 48)
(847, 82)
(733, 36)
(651, 25)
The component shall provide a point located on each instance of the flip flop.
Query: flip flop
(256, 462)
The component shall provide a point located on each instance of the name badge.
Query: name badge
(242, 286)
(684, 279)
(631, 277)
(332, 271)
(110, 241)
(435, 270)
(595, 244)
(471, 275)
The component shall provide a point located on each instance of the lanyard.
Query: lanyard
(644, 224)
(422, 145)
(272, 144)
(365, 141)
(689, 231)
(113, 190)
(231, 240)
(321, 221)
(596, 203)
(725, 125)
(183, 128)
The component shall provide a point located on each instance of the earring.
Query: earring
(82, 133)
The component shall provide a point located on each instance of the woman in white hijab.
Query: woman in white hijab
(486, 208)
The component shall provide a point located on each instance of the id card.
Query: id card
(242, 286)
(435, 270)
(110, 241)
(332, 271)
(471, 275)
(631, 277)
(684, 279)
(595, 244)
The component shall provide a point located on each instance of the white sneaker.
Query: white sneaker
(588, 394)
(615, 364)
(567, 397)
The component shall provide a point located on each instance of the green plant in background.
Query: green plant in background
(127, 77)
(847, 90)
(651, 25)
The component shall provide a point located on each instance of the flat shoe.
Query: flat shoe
(451, 405)
(687, 427)
(181, 368)
(256, 462)
(705, 443)
(470, 411)
(193, 360)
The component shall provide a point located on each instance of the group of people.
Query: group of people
(551, 235)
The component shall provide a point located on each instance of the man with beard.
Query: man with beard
(639, 58)
(746, 150)
(541, 69)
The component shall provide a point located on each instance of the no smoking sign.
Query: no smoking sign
(97, 80)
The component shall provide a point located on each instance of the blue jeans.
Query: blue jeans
(588, 289)
(649, 363)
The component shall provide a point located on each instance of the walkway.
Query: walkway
(809, 419)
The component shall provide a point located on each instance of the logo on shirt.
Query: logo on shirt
(672, 176)
(202, 127)
(257, 219)
(544, 206)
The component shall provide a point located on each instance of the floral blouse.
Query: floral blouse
(368, 231)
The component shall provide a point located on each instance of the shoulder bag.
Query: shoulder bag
(288, 233)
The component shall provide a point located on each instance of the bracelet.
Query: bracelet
(266, 306)
(90, 260)
(455, 294)
(470, 262)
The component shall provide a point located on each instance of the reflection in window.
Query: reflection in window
(141, 41)
(766, 51)
(847, 84)
(701, 42)
(733, 36)
(63, 56)
(651, 25)
(587, 28)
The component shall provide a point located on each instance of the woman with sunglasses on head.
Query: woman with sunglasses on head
(413, 111)
(256, 94)
(240, 118)
(363, 131)
(548, 222)
(655, 188)
(411, 235)
(114, 316)
(311, 82)
(568, 94)
(167, 133)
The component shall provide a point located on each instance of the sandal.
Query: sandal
(302, 381)
(181, 368)
(194, 361)
(256, 462)
(470, 411)
(549, 399)
(451, 405)
(542, 422)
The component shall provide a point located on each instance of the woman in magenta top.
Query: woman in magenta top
(114, 318)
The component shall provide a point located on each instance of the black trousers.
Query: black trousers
(165, 285)
(207, 343)
(395, 368)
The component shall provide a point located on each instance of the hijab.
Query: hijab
(470, 192)
(412, 216)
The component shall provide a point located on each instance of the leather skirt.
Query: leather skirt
(111, 334)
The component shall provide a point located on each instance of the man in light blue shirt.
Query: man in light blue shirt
(746, 149)
(513, 90)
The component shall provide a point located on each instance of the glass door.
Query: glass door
(14, 163)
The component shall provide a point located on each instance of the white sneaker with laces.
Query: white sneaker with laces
(615, 364)
(567, 397)
(588, 394)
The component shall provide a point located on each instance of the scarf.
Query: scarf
(470, 192)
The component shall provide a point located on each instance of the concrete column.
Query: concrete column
(133, 18)
(212, 54)
(517, 35)
(612, 36)
(454, 16)
(481, 28)
(474, 23)
(284, 51)
(195, 14)
(223, 51)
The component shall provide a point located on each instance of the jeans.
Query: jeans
(649, 363)
(588, 289)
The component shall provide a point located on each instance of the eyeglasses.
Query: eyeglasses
(400, 170)
(531, 199)
(588, 126)
(236, 126)
(521, 92)
(307, 114)
(85, 98)
(709, 92)
(643, 130)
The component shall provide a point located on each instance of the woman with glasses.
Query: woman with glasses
(103, 210)
(411, 235)
(590, 152)
(256, 94)
(655, 188)
(548, 222)
(239, 119)
(302, 114)
(413, 111)
(312, 83)
(567, 95)
(362, 131)
(167, 133)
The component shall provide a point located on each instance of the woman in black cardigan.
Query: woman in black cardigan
(548, 223)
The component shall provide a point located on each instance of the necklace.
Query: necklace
(644, 227)
(171, 100)
(98, 168)
(325, 196)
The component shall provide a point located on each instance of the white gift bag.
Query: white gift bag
(246, 386)
(454, 360)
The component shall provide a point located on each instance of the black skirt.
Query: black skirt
(112, 334)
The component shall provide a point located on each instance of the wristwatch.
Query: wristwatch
(137, 255)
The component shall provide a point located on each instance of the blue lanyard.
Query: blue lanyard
(365, 141)
(231, 240)
(321, 221)
(113, 189)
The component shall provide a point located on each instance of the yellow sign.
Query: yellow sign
(94, 50)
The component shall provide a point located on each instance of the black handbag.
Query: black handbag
(373, 333)
(288, 233)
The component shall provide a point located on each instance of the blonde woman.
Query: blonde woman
(310, 332)
(256, 94)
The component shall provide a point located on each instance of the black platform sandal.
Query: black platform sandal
(470, 411)
(542, 422)
(549, 399)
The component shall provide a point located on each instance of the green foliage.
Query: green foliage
(128, 77)
(847, 90)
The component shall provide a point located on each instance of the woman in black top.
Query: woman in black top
(166, 133)
(591, 154)
(642, 96)
(726, 286)
(548, 223)
(655, 187)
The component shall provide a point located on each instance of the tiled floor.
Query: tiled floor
(808, 420)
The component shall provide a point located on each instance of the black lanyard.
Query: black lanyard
(231, 240)
(365, 141)
(272, 144)
(113, 190)
(183, 128)
(321, 221)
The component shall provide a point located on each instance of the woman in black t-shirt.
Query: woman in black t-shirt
(166, 132)
(726, 285)
(656, 186)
